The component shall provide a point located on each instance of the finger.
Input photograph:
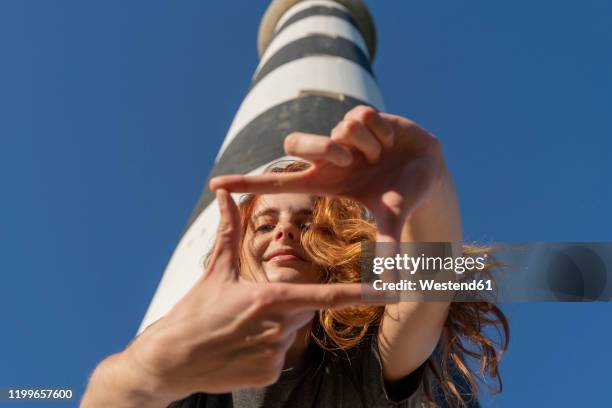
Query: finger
(314, 147)
(349, 132)
(375, 122)
(321, 296)
(293, 182)
(224, 261)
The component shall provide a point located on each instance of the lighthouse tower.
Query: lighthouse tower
(315, 65)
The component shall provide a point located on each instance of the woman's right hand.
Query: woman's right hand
(225, 333)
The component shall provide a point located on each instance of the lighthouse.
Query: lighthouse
(315, 65)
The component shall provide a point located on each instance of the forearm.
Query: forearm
(411, 330)
(408, 335)
(114, 383)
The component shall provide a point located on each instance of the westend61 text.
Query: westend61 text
(432, 285)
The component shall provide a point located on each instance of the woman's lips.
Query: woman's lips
(284, 254)
(284, 257)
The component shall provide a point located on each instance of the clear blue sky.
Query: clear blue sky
(111, 114)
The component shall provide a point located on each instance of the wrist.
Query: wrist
(118, 383)
(136, 382)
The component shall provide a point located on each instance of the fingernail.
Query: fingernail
(211, 183)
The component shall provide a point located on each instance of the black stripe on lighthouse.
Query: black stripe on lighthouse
(317, 11)
(261, 141)
(316, 44)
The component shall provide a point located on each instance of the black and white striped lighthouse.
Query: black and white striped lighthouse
(315, 65)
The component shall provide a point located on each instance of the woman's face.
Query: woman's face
(272, 244)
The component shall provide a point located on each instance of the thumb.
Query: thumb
(224, 260)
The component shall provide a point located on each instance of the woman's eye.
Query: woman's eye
(264, 228)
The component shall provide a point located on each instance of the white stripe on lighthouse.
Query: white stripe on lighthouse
(315, 44)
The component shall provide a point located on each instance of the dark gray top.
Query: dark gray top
(324, 380)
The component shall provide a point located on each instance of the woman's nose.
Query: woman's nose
(287, 231)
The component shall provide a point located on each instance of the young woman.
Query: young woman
(268, 323)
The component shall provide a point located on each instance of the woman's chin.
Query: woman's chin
(286, 274)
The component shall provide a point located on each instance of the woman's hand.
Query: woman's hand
(384, 161)
(224, 334)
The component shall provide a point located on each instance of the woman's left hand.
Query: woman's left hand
(385, 161)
